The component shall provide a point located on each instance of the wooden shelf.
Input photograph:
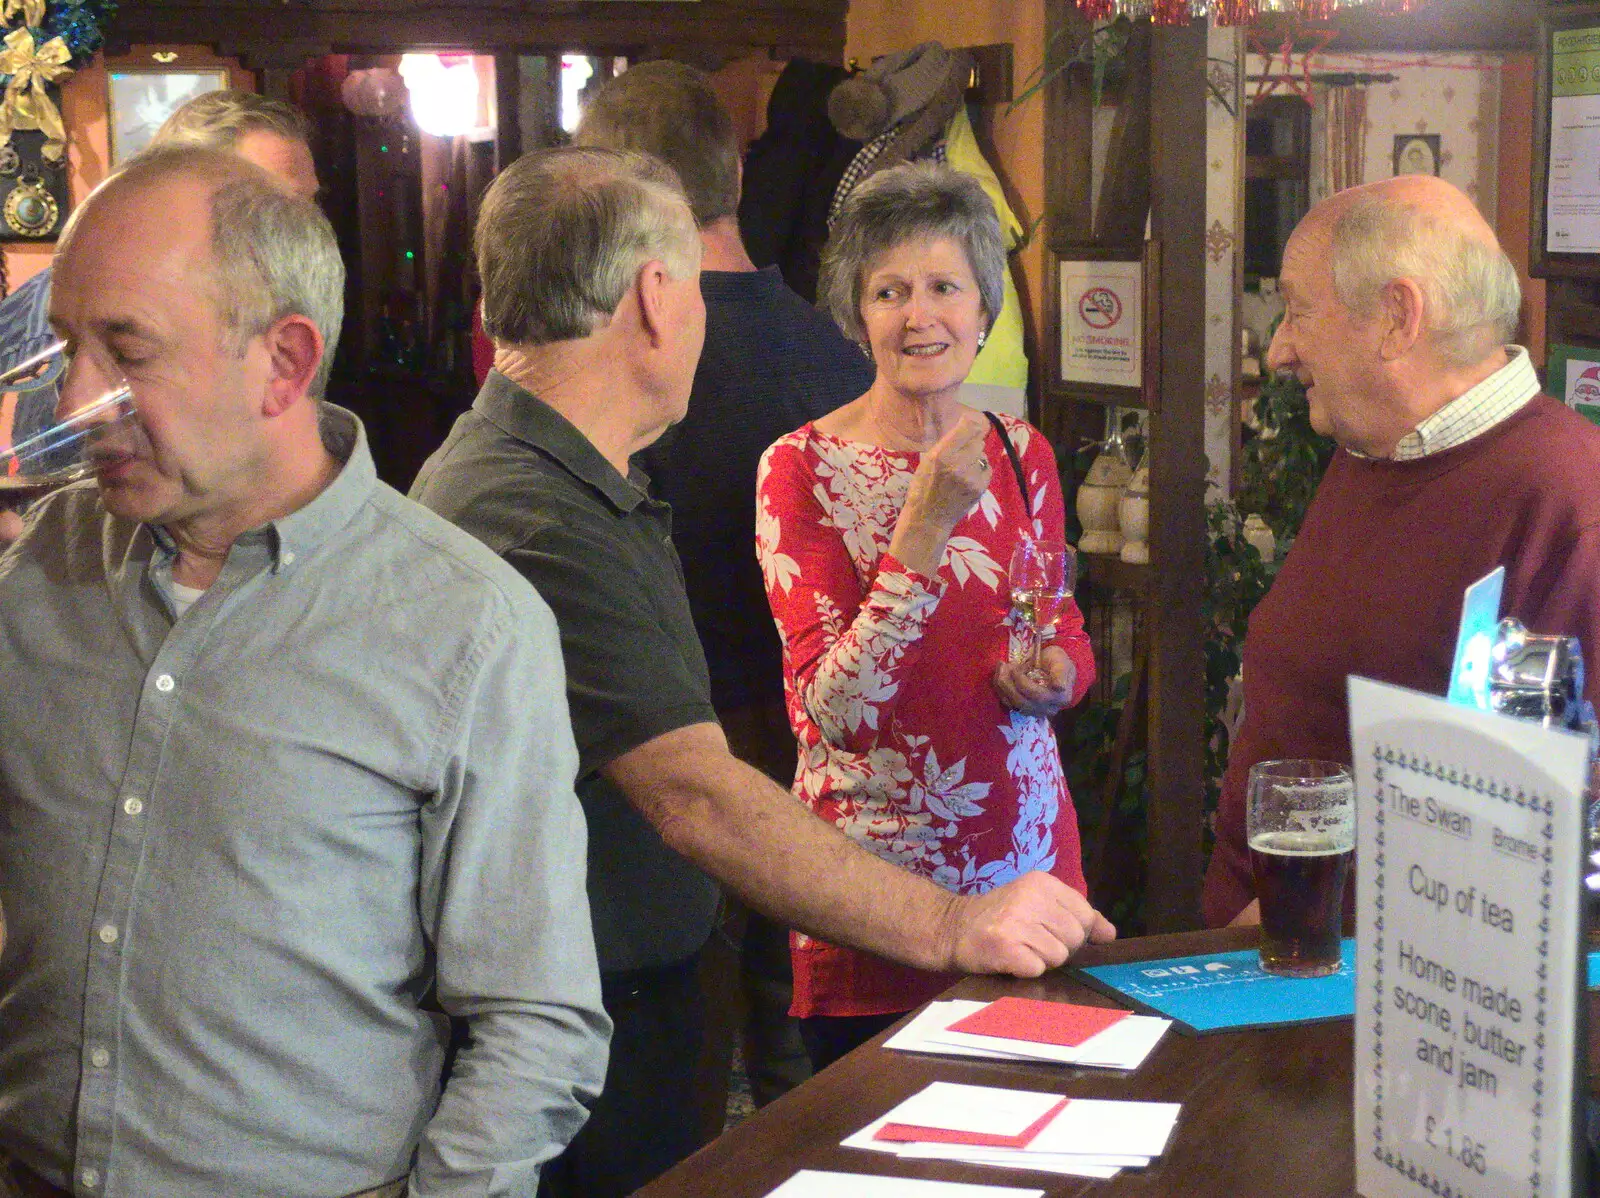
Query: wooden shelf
(1109, 570)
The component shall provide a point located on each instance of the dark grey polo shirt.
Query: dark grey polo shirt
(516, 475)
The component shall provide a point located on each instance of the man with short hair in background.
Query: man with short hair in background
(287, 771)
(1400, 308)
(771, 363)
(269, 133)
(590, 267)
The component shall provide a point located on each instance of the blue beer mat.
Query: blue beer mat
(1225, 992)
(1594, 971)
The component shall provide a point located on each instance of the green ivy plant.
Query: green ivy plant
(1280, 468)
(1279, 472)
(1103, 50)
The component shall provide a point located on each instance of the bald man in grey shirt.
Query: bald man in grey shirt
(286, 774)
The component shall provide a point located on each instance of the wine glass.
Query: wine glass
(1042, 574)
(44, 444)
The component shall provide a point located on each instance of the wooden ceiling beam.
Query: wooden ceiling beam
(813, 28)
(1434, 26)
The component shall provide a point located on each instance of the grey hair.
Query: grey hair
(273, 254)
(670, 110)
(911, 202)
(562, 235)
(1469, 286)
(219, 119)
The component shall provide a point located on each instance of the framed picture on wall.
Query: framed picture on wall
(1565, 232)
(140, 100)
(1103, 327)
(1416, 154)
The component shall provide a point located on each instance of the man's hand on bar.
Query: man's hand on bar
(1023, 928)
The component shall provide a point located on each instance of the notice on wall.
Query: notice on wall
(1101, 331)
(1572, 198)
(1469, 853)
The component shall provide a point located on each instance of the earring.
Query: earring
(982, 337)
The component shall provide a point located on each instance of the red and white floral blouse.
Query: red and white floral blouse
(904, 744)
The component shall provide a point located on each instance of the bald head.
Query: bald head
(1421, 228)
(272, 252)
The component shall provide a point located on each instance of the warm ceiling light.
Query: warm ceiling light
(444, 92)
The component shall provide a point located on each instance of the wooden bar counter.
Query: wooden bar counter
(1264, 1112)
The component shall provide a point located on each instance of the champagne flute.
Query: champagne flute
(41, 446)
(1042, 575)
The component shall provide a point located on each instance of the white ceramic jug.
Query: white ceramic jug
(1099, 495)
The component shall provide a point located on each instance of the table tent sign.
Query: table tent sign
(1469, 971)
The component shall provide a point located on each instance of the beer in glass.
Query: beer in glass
(1301, 827)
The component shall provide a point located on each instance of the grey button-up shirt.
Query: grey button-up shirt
(239, 850)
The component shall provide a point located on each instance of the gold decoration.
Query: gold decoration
(30, 210)
(32, 11)
(26, 104)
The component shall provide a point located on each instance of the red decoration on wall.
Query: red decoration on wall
(1233, 12)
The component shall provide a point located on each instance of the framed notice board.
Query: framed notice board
(1566, 168)
(1102, 315)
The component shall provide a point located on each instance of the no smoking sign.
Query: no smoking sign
(1099, 308)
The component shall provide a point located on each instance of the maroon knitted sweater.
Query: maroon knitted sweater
(1373, 583)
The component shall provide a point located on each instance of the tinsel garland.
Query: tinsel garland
(44, 42)
(78, 23)
(1232, 12)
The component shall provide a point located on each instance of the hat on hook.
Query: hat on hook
(894, 89)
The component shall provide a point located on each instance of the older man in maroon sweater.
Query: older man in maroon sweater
(1450, 462)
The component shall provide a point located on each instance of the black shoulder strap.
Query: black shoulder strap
(1016, 462)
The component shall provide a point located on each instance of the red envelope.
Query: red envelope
(908, 1132)
(1039, 1022)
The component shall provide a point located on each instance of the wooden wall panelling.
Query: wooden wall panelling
(1177, 481)
(1069, 131)
(1159, 164)
(1434, 25)
(991, 73)
(1069, 216)
(809, 28)
(1125, 188)
(507, 109)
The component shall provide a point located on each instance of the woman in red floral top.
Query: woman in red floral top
(885, 531)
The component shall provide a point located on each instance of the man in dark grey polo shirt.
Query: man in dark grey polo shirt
(285, 756)
(771, 363)
(590, 265)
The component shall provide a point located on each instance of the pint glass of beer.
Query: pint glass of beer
(1301, 824)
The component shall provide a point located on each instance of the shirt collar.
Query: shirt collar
(1475, 411)
(521, 414)
(304, 529)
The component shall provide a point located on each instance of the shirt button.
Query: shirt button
(108, 934)
(165, 683)
(99, 1058)
(133, 804)
(90, 1178)
(288, 558)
